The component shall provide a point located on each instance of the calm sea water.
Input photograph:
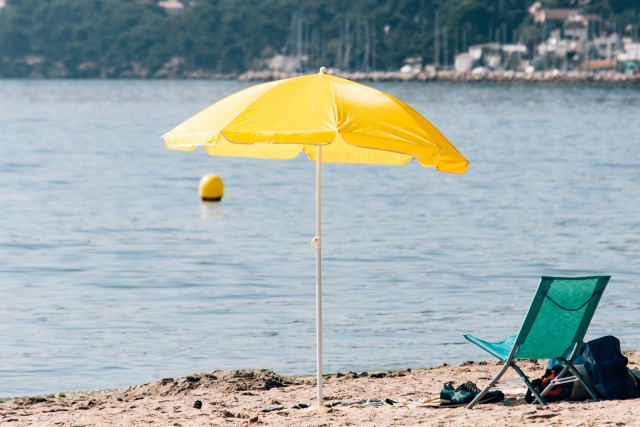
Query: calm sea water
(113, 273)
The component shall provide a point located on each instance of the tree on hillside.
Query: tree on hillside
(114, 38)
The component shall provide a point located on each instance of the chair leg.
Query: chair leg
(568, 366)
(488, 387)
(537, 395)
(580, 378)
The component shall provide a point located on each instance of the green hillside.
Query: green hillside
(139, 38)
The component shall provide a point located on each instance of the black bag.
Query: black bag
(608, 368)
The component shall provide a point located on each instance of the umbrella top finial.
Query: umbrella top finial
(323, 70)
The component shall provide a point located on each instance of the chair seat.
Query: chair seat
(499, 349)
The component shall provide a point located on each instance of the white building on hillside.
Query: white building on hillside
(172, 6)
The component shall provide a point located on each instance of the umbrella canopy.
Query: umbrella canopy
(328, 118)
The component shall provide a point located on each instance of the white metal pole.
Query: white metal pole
(318, 245)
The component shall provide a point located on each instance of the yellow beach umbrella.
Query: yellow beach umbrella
(330, 119)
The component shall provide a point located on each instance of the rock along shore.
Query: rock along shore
(453, 76)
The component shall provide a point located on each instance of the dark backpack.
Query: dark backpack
(608, 368)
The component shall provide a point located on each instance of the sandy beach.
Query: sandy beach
(262, 397)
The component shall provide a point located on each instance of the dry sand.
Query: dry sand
(236, 398)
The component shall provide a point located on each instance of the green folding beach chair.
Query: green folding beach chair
(557, 321)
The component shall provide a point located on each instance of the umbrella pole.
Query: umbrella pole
(318, 247)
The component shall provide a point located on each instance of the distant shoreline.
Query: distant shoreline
(553, 76)
(453, 76)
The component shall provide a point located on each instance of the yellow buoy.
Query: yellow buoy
(211, 188)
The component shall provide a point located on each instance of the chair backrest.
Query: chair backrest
(559, 315)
